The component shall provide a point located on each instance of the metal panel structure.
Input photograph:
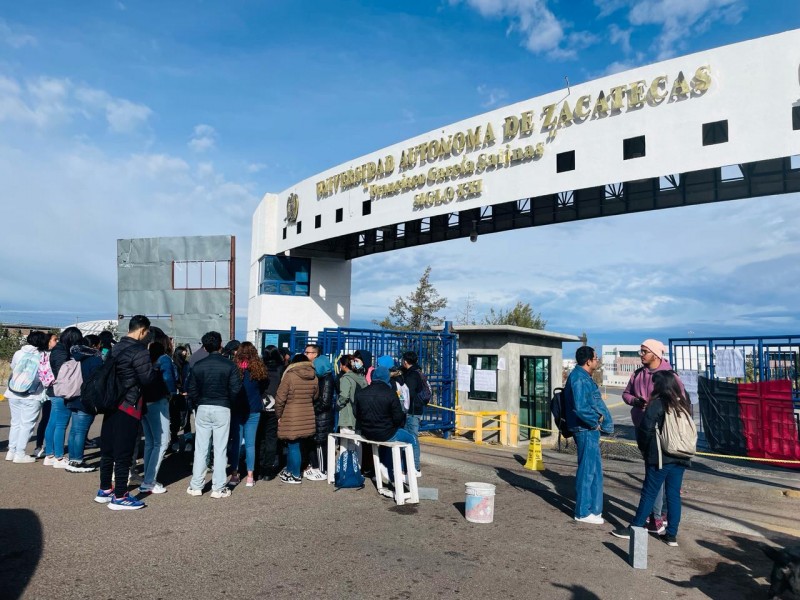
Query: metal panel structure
(185, 285)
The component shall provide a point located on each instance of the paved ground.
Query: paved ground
(282, 541)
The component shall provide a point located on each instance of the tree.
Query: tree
(521, 316)
(467, 315)
(418, 311)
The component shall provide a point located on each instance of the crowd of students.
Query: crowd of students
(268, 404)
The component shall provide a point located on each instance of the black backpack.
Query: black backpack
(425, 393)
(558, 406)
(100, 393)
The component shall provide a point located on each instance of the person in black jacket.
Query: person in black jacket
(121, 427)
(56, 432)
(413, 381)
(214, 383)
(380, 417)
(268, 463)
(323, 415)
(660, 468)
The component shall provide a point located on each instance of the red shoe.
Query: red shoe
(655, 525)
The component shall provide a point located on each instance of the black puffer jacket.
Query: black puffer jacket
(413, 380)
(134, 369)
(378, 411)
(323, 407)
(215, 381)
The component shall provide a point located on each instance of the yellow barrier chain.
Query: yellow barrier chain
(627, 443)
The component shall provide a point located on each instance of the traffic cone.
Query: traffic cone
(535, 462)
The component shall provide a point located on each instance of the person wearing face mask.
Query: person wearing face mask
(352, 379)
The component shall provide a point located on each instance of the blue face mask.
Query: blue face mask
(357, 364)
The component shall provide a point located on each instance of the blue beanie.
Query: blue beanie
(386, 361)
(322, 366)
(381, 374)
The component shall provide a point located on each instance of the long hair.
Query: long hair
(70, 337)
(247, 353)
(272, 357)
(667, 389)
(162, 338)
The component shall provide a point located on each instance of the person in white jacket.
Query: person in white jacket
(25, 405)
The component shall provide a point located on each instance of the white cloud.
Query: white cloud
(492, 96)
(256, 167)
(678, 19)
(541, 31)
(48, 101)
(203, 138)
(620, 36)
(14, 38)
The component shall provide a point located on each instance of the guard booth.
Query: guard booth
(436, 351)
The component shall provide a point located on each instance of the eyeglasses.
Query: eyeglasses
(310, 352)
(644, 352)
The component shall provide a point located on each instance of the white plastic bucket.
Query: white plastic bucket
(479, 504)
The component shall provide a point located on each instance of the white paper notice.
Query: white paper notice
(478, 362)
(464, 376)
(501, 363)
(689, 379)
(485, 381)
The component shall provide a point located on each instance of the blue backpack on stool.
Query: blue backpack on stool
(348, 471)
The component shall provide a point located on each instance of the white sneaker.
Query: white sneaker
(49, 461)
(418, 474)
(314, 475)
(155, 488)
(193, 492)
(10, 455)
(61, 463)
(22, 459)
(591, 519)
(223, 493)
(38, 452)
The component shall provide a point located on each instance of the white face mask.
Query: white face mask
(357, 364)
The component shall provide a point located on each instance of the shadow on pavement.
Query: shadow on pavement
(461, 507)
(563, 496)
(21, 544)
(578, 592)
(617, 550)
(733, 574)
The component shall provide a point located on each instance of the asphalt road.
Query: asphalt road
(283, 541)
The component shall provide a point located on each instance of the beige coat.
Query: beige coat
(294, 402)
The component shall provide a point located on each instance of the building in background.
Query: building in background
(619, 363)
(185, 285)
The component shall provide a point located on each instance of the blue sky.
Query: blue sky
(122, 119)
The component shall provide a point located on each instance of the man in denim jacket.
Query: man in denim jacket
(587, 416)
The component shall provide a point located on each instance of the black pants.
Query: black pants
(178, 418)
(267, 462)
(46, 408)
(117, 440)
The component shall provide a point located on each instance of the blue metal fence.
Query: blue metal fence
(436, 351)
(766, 358)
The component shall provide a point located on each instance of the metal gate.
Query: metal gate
(437, 359)
(436, 351)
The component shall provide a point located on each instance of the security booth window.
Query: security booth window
(284, 275)
(483, 379)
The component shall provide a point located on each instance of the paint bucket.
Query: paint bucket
(479, 504)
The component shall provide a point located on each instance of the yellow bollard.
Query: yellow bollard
(535, 462)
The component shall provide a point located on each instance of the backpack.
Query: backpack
(68, 383)
(425, 393)
(348, 472)
(100, 393)
(45, 372)
(25, 375)
(677, 436)
(558, 406)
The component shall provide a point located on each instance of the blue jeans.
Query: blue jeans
(81, 422)
(385, 454)
(412, 427)
(210, 421)
(589, 478)
(155, 423)
(56, 428)
(293, 457)
(243, 426)
(671, 477)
